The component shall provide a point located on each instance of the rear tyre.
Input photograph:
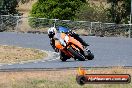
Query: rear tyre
(63, 57)
(90, 55)
(76, 54)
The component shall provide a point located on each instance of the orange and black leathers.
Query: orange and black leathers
(52, 43)
(77, 37)
(72, 42)
(72, 34)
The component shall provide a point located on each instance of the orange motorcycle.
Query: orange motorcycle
(71, 48)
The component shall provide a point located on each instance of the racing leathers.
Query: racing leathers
(72, 34)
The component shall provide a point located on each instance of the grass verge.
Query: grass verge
(58, 79)
(12, 54)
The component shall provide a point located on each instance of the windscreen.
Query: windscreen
(63, 29)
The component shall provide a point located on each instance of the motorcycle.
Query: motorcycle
(71, 48)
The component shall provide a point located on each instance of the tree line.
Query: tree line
(117, 12)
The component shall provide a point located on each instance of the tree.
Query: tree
(8, 7)
(127, 7)
(92, 13)
(59, 9)
(119, 10)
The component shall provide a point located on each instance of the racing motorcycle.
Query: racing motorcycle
(71, 48)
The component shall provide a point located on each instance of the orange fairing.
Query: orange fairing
(75, 42)
(58, 45)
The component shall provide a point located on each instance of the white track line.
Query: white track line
(9, 64)
(43, 61)
(50, 60)
(21, 63)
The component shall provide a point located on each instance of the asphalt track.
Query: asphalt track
(108, 51)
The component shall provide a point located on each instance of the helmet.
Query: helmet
(51, 32)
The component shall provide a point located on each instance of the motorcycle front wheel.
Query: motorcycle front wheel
(76, 54)
(63, 57)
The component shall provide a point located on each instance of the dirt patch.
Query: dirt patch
(82, 32)
(12, 54)
(57, 79)
(26, 7)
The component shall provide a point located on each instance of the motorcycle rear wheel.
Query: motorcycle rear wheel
(90, 55)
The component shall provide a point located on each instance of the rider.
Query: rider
(54, 33)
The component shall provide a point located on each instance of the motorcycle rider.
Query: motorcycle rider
(54, 34)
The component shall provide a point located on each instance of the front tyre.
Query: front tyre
(76, 54)
(63, 57)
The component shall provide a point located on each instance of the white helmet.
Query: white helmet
(51, 32)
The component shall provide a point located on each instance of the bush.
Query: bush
(54, 9)
(8, 7)
(92, 13)
(8, 23)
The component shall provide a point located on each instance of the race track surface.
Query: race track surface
(108, 51)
